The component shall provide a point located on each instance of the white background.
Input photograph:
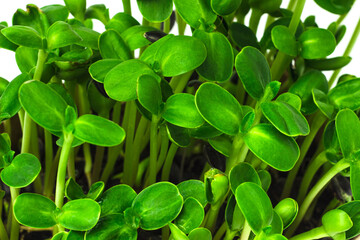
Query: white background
(9, 70)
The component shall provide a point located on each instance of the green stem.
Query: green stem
(324, 180)
(26, 138)
(315, 233)
(49, 155)
(282, 60)
(71, 164)
(163, 148)
(130, 132)
(309, 174)
(167, 25)
(184, 78)
(98, 162)
(238, 142)
(88, 162)
(61, 174)
(316, 124)
(3, 233)
(15, 227)
(347, 52)
(49, 184)
(113, 153)
(221, 231)
(127, 6)
(212, 217)
(230, 234)
(255, 19)
(42, 55)
(181, 24)
(340, 19)
(291, 5)
(245, 232)
(21, 115)
(153, 150)
(34, 149)
(168, 162)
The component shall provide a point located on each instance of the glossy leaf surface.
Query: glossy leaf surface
(218, 64)
(89, 37)
(176, 233)
(134, 36)
(98, 131)
(191, 215)
(287, 119)
(149, 94)
(26, 58)
(219, 108)
(73, 190)
(4, 42)
(255, 206)
(243, 172)
(116, 199)
(180, 110)
(60, 34)
(329, 63)
(353, 210)
(216, 185)
(155, 10)
(34, 210)
(79, 215)
(287, 210)
(222, 144)
(157, 205)
(284, 40)
(55, 12)
(22, 171)
(121, 21)
(337, 7)
(200, 233)
(226, 7)
(290, 99)
(233, 215)
(316, 43)
(120, 83)
(355, 179)
(23, 36)
(336, 221)
(99, 69)
(193, 188)
(346, 94)
(279, 151)
(265, 179)
(112, 46)
(44, 105)
(178, 135)
(253, 70)
(243, 36)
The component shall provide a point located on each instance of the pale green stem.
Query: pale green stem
(127, 6)
(181, 24)
(184, 78)
(291, 5)
(311, 170)
(245, 232)
(129, 141)
(21, 115)
(230, 234)
(71, 164)
(49, 184)
(235, 150)
(255, 19)
(221, 231)
(212, 217)
(347, 52)
(167, 25)
(48, 157)
(324, 180)
(316, 124)
(3, 233)
(88, 162)
(315, 233)
(168, 162)
(153, 151)
(163, 148)
(15, 227)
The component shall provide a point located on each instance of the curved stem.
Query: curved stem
(347, 52)
(309, 174)
(315, 233)
(318, 121)
(324, 180)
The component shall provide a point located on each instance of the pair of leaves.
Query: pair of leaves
(47, 108)
(37, 211)
(74, 191)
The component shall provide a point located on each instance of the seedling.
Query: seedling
(99, 127)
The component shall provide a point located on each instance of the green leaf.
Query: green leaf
(284, 40)
(287, 119)
(112, 46)
(89, 37)
(226, 7)
(55, 12)
(148, 56)
(180, 110)
(121, 21)
(124, 89)
(60, 34)
(195, 13)
(79, 215)
(26, 58)
(155, 10)
(157, 205)
(194, 189)
(216, 186)
(22, 171)
(98, 131)
(218, 65)
(99, 12)
(337, 7)
(222, 144)
(4, 42)
(149, 93)
(233, 215)
(303, 88)
(265, 5)
(116, 199)
(328, 64)
(287, 210)
(33, 17)
(265, 179)
(96, 190)
(190, 51)
(336, 221)
(76, 7)
(322, 102)
(178, 135)
(253, 70)
(243, 172)
(191, 215)
(219, 108)
(34, 210)
(200, 233)
(354, 179)
(290, 99)
(5, 148)
(3, 85)
(205, 131)
(112, 227)
(134, 36)
(267, 143)
(73, 190)
(176, 233)
(346, 94)
(255, 205)
(243, 36)
(9, 101)
(24, 36)
(99, 69)
(44, 105)
(348, 132)
(316, 43)
(276, 225)
(353, 210)
(99, 103)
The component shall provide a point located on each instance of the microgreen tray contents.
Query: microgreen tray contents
(139, 133)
